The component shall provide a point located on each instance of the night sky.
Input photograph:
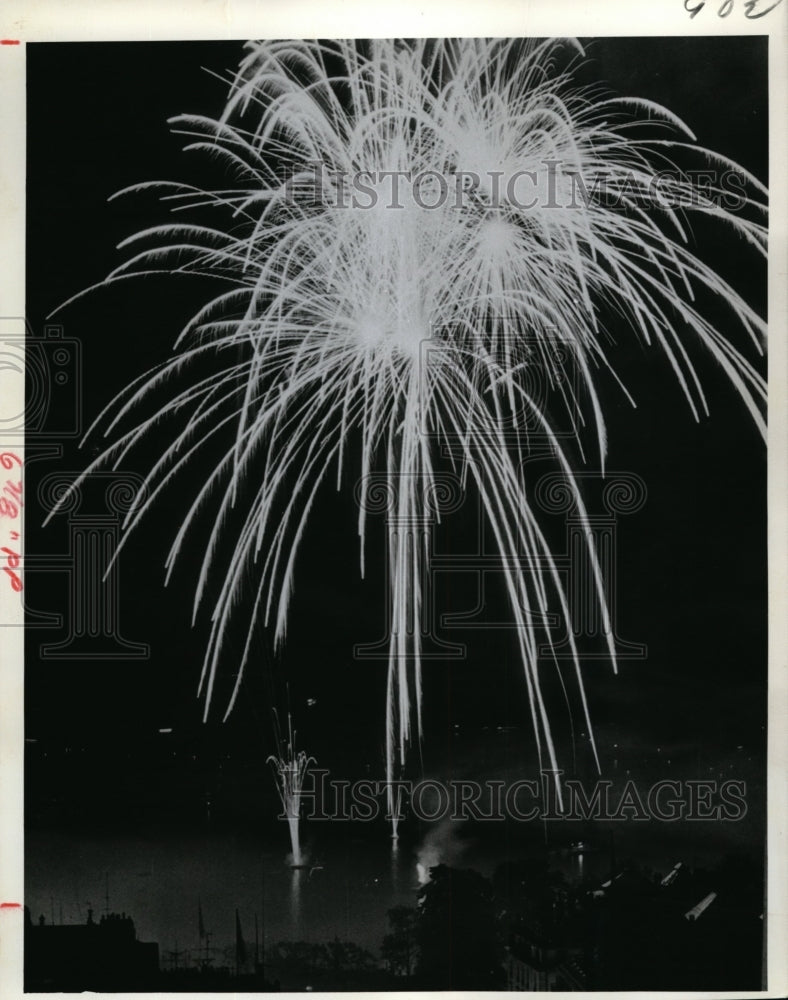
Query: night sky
(692, 562)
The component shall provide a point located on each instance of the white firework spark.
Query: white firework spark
(290, 767)
(317, 332)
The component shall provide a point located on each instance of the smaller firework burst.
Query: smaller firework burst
(290, 768)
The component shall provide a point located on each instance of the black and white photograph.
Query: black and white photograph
(390, 511)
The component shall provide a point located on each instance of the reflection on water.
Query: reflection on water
(346, 891)
(395, 866)
(296, 879)
(352, 882)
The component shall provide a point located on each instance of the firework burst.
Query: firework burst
(316, 335)
(290, 768)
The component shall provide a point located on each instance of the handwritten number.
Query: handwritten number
(11, 502)
(750, 6)
(694, 7)
(9, 505)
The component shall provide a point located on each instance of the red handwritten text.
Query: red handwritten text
(10, 505)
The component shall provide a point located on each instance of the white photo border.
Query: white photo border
(23, 21)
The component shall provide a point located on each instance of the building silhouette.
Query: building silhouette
(100, 956)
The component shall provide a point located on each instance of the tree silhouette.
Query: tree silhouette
(457, 933)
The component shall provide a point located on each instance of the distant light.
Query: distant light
(169, 730)
(29, 740)
(311, 702)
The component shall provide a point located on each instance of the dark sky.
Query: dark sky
(692, 569)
